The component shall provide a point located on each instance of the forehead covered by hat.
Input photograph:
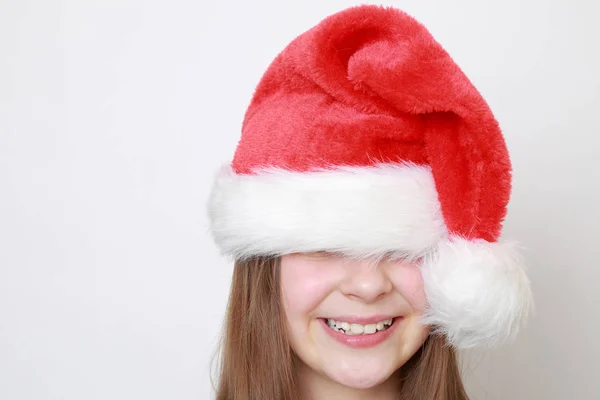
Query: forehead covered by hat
(365, 138)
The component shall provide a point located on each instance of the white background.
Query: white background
(114, 116)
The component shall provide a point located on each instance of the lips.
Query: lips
(361, 340)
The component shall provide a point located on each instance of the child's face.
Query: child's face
(321, 286)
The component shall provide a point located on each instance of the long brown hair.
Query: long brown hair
(257, 363)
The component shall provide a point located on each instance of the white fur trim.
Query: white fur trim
(359, 211)
(478, 292)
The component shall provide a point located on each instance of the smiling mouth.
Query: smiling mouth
(353, 329)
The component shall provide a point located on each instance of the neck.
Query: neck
(314, 386)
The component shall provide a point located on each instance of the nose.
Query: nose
(365, 281)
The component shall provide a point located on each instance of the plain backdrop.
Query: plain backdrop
(115, 115)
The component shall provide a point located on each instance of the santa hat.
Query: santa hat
(365, 138)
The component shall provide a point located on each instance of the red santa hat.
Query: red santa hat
(365, 138)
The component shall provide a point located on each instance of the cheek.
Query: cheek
(408, 280)
(304, 286)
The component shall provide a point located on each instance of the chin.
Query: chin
(362, 375)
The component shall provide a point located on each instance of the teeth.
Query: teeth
(358, 329)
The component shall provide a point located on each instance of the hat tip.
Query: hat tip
(478, 292)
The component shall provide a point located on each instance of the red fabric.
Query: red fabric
(370, 84)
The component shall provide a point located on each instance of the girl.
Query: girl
(363, 208)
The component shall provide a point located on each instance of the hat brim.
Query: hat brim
(358, 211)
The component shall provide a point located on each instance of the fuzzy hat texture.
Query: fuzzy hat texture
(364, 137)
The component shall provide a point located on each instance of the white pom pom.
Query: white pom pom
(478, 292)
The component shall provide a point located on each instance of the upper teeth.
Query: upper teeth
(358, 329)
